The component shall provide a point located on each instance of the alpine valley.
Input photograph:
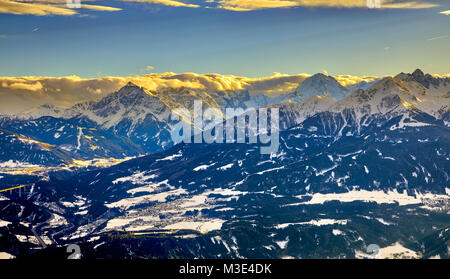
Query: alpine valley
(360, 164)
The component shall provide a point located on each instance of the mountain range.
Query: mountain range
(134, 121)
(354, 168)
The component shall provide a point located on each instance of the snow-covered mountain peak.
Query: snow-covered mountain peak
(388, 95)
(320, 84)
(129, 93)
(394, 96)
(429, 82)
(130, 84)
(130, 103)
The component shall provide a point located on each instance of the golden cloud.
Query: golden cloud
(46, 7)
(59, 7)
(441, 76)
(172, 3)
(148, 68)
(214, 82)
(24, 93)
(32, 86)
(445, 12)
(19, 94)
(100, 8)
(250, 5)
(38, 9)
(347, 80)
(275, 85)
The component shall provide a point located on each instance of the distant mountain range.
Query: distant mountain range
(372, 167)
(134, 121)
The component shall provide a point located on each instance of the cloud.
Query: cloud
(18, 94)
(76, 88)
(24, 93)
(445, 12)
(46, 7)
(100, 8)
(148, 68)
(172, 3)
(59, 7)
(278, 83)
(437, 38)
(275, 85)
(38, 9)
(30, 86)
(250, 5)
(409, 5)
(347, 80)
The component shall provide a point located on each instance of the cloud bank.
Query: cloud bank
(23, 94)
(18, 94)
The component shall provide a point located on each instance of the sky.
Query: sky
(251, 38)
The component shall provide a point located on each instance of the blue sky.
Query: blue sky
(253, 43)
